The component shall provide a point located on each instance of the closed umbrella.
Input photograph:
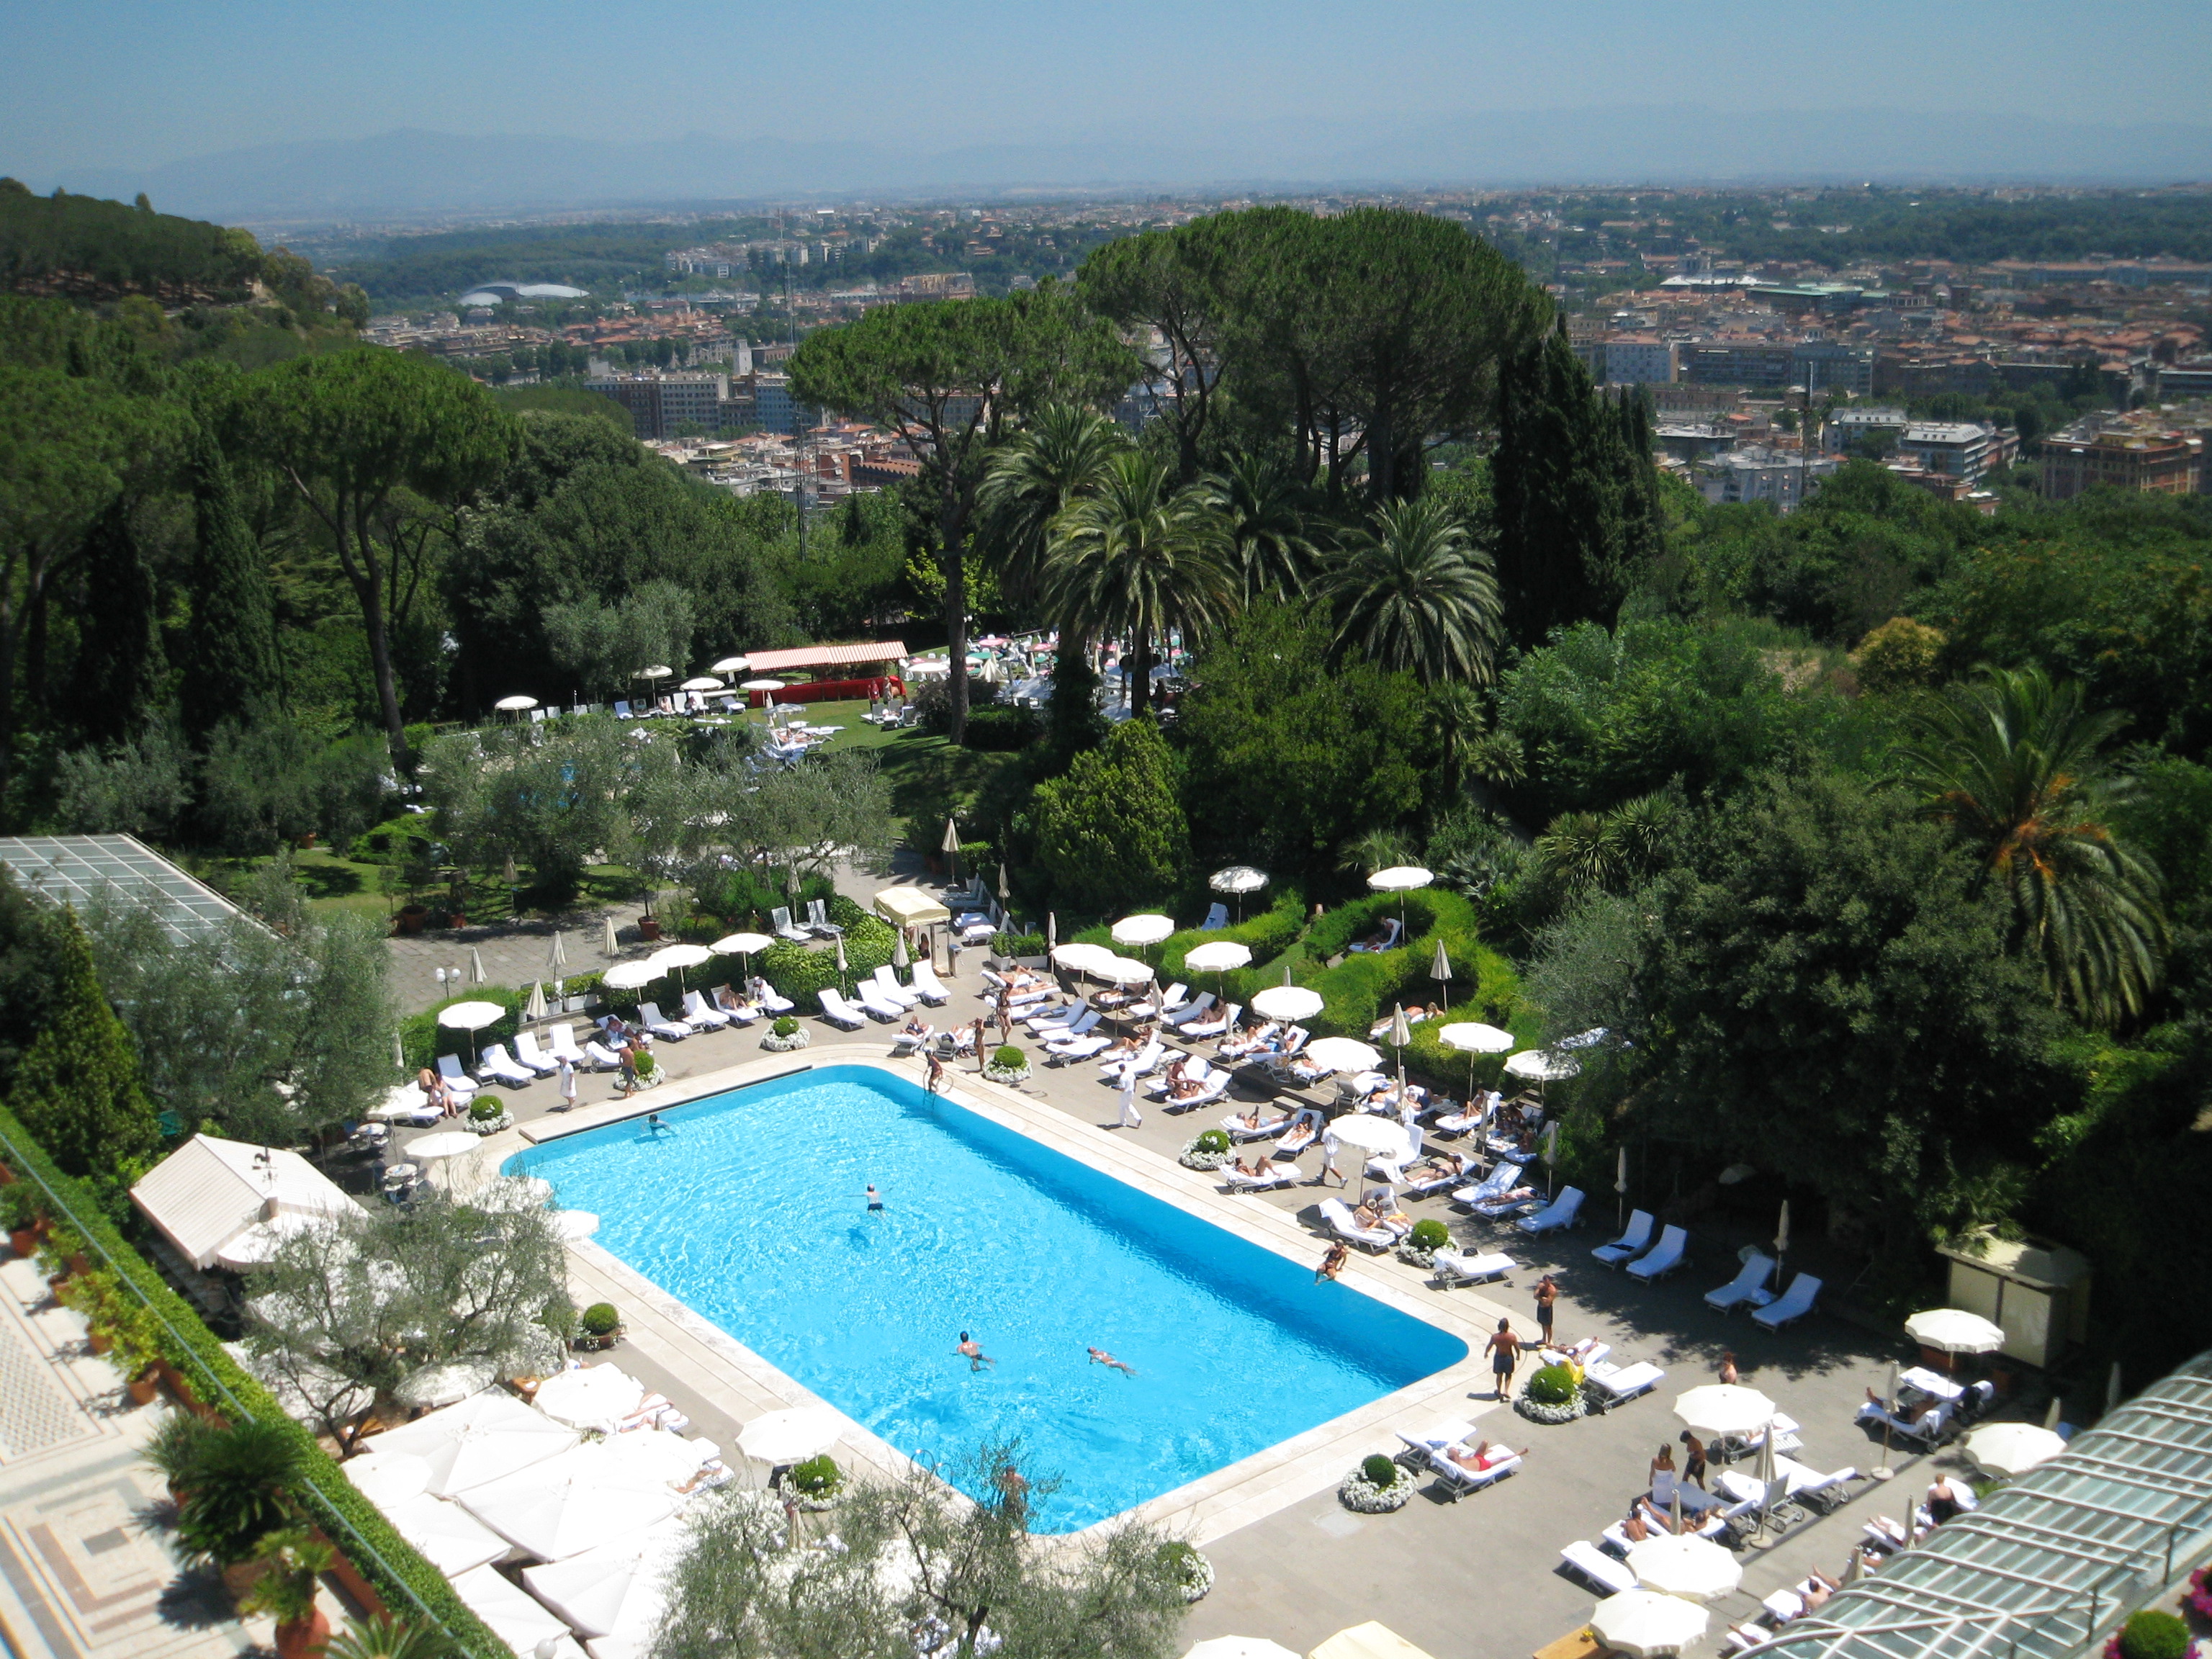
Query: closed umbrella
(1343, 1054)
(1551, 1153)
(1401, 1033)
(612, 948)
(1644, 1624)
(951, 847)
(398, 1053)
(1287, 1002)
(1051, 930)
(534, 1010)
(1440, 970)
(1696, 1568)
(1002, 881)
(557, 956)
(1718, 1409)
(1781, 1241)
(899, 957)
(477, 975)
(1620, 1184)
(783, 1437)
(470, 1017)
(486, 1437)
(596, 1397)
(506, 871)
(838, 944)
(2006, 1449)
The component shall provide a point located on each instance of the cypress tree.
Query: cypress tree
(230, 662)
(77, 1088)
(121, 669)
(1643, 521)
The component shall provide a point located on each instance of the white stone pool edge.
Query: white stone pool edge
(739, 1382)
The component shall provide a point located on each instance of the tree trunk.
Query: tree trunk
(1140, 670)
(950, 529)
(362, 569)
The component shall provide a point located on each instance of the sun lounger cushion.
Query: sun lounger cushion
(1610, 1577)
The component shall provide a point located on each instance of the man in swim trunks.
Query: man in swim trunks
(1100, 1357)
(875, 1198)
(975, 1356)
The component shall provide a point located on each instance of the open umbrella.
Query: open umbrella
(1718, 1409)
(1122, 970)
(444, 1534)
(703, 682)
(452, 1143)
(385, 1478)
(258, 1244)
(618, 1591)
(485, 1437)
(515, 705)
(1644, 1624)
(596, 1397)
(510, 1613)
(632, 976)
(1238, 880)
(1471, 1038)
(1543, 1065)
(680, 957)
(1343, 1054)
(1382, 1135)
(1400, 879)
(1142, 930)
(1287, 1002)
(728, 665)
(1080, 958)
(1440, 969)
(2006, 1449)
(470, 1017)
(1953, 1330)
(1239, 1647)
(1218, 956)
(791, 1437)
(590, 1496)
(1696, 1568)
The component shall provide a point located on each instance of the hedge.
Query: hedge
(806, 970)
(413, 1588)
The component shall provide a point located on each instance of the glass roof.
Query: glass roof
(71, 869)
(2047, 1562)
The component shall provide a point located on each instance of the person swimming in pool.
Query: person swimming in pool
(975, 1356)
(653, 1123)
(1100, 1357)
(875, 1198)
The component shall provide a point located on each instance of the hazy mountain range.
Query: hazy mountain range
(415, 172)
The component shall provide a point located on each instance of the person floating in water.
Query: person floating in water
(875, 1198)
(1100, 1357)
(652, 1123)
(976, 1357)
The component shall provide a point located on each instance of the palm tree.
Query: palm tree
(1141, 557)
(1467, 746)
(1267, 525)
(1413, 592)
(1377, 849)
(2012, 762)
(1057, 457)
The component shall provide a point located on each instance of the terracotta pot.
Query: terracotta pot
(648, 927)
(457, 920)
(100, 1341)
(307, 840)
(241, 1577)
(25, 1239)
(412, 918)
(298, 1639)
(143, 1389)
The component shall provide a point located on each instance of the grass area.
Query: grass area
(928, 774)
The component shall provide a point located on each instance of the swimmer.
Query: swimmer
(976, 1357)
(875, 1198)
(652, 1123)
(1100, 1357)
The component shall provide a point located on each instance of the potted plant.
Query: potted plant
(175, 1447)
(1208, 1150)
(601, 1325)
(1187, 1569)
(61, 1256)
(1552, 1395)
(137, 1350)
(648, 927)
(19, 1200)
(648, 1068)
(784, 1035)
(1378, 1487)
(94, 1297)
(239, 1475)
(817, 1483)
(2149, 1633)
(1008, 1065)
(1429, 1236)
(383, 1637)
(488, 1117)
(289, 1559)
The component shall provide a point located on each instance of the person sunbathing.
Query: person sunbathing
(1441, 1166)
(1484, 1458)
(1658, 1520)
(1379, 940)
(1259, 1165)
(1255, 1037)
(1818, 1588)
(916, 1029)
(1257, 1122)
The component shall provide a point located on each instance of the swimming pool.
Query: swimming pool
(749, 1209)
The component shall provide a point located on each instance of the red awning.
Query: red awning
(824, 656)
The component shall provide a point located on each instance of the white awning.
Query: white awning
(208, 1191)
(909, 907)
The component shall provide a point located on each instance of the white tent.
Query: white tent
(588, 1496)
(486, 1437)
(514, 1617)
(616, 1592)
(208, 1191)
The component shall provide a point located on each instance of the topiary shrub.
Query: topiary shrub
(1379, 1470)
(601, 1319)
(817, 1476)
(1429, 1234)
(1378, 1487)
(1551, 1385)
(1187, 1569)
(485, 1110)
(785, 1025)
(1007, 1058)
(2150, 1634)
(1213, 1140)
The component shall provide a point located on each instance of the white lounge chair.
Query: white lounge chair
(1194, 1009)
(1059, 1022)
(458, 1081)
(1173, 1000)
(870, 998)
(1793, 1304)
(560, 1043)
(927, 986)
(1608, 1576)
(1633, 1243)
(1194, 1070)
(1727, 1448)
(1465, 1119)
(1074, 1034)
(1514, 1201)
(701, 1014)
(1213, 1086)
(1273, 1174)
(1268, 1129)
(1471, 1266)
(605, 1059)
(1459, 1480)
(818, 920)
(1299, 1136)
(496, 1063)
(1217, 918)
(1749, 1286)
(838, 1012)
(1393, 1170)
(1499, 1181)
(650, 1017)
(780, 918)
(907, 1043)
(1823, 1492)
(527, 1052)
(885, 979)
(1116, 1073)
(1616, 1385)
(1425, 1186)
(773, 999)
(1219, 1026)
(1339, 1220)
(1662, 1258)
(1560, 1212)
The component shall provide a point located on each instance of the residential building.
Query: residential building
(773, 404)
(1956, 449)
(1821, 366)
(1638, 360)
(2141, 463)
(1847, 424)
(1781, 477)
(1738, 362)
(660, 404)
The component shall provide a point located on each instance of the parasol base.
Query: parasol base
(1883, 1474)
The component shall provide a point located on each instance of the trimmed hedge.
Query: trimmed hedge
(412, 1588)
(799, 971)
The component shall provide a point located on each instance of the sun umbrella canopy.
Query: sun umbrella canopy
(387, 1477)
(1240, 1647)
(1471, 1037)
(1218, 957)
(1287, 1002)
(1543, 1065)
(660, 670)
(1143, 930)
(791, 1437)
(1719, 1408)
(596, 1397)
(740, 945)
(516, 705)
(1122, 970)
(681, 956)
(486, 1437)
(910, 907)
(1237, 878)
(1644, 1624)
(1372, 1640)
(632, 976)
(443, 1385)
(1695, 1569)
(1382, 1135)
(511, 1615)
(760, 685)
(444, 1534)
(1082, 959)
(1953, 1330)
(470, 1016)
(703, 682)
(1343, 1054)
(2012, 1449)
(1400, 879)
(453, 1143)
(727, 665)
(618, 1591)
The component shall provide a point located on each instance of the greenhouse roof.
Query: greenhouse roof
(73, 870)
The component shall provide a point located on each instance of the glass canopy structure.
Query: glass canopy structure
(2050, 1562)
(73, 869)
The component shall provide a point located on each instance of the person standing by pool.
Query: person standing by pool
(1504, 1351)
(567, 1084)
(1547, 1295)
(973, 1352)
(936, 1072)
(1131, 1117)
(982, 1057)
(1330, 1147)
(627, 1057)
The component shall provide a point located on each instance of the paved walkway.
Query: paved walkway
(85, 1568)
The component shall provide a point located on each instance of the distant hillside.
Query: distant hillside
(409, 270)
(90, 249)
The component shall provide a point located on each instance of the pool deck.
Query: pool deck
(1480, 1578)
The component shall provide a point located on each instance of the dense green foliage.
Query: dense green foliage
(76, 1087)
(1112, 832)
(64, 241)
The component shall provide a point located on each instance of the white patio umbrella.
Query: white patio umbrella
(1123, 970)
(702, 683)
(515, 705)
(1218, 957)
(608, 944)
(1724, 1409)
(1237, 878)
(1543, 1065)
(1239, 1647)
(632, 976)
(486, 1437)
(575, 1223)
(729, 666)
(596, 1397)
(444, 1534)
(385, 1478)
(557, 956)
(1287, 1002)
(791, 1437)
(452, 1143)
(534, 1010)
(618, 1591)
(1471, 1037)
(1401, 878)
(1081, 959)
(1382, 1135)
(470, 1017)
(510, 1614)
(258, 1244)
(1644, 1624)
(477, 975)
(2006, 1449)
(1440, 969)
(443, 1385)
(1343, 1054)
(1695, 1569)
(680, 957)
(1953, 1330)
(1143, 930)
(740, 945)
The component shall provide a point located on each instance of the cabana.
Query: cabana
(868, 668)
(909, 907)
(207, 1192)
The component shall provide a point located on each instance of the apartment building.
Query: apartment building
(1955, 449)
(660, 404)
(1637, 360)
(2141, 463)
(1781, 477)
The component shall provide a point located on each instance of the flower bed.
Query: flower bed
(1197, 1155)
(1007, 1074)
(490, 1125)
(1552, 1395)
(1358, 1490)
(1194, 1572)
(784, 1044)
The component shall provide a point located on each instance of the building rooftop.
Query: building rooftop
(73, 870)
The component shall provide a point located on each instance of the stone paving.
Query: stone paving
(85, 1568)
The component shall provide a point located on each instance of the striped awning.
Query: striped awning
(824, 656)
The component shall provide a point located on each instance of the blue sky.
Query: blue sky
(90, 83)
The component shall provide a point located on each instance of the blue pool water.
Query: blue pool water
(749, 1209)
